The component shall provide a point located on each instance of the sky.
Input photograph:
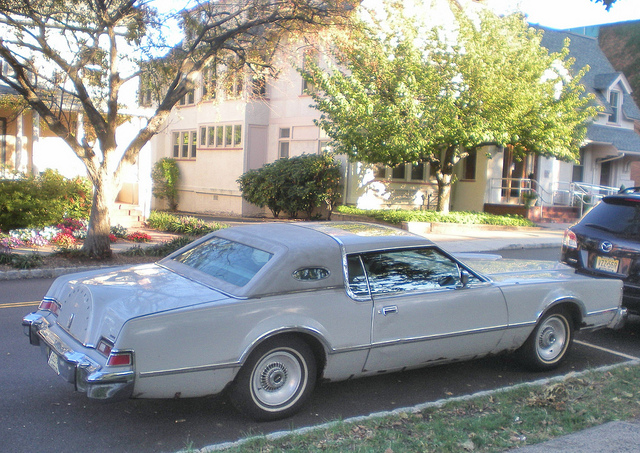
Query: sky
(561, 14)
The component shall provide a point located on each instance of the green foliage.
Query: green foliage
(166, 176)
(297, 184)
(28, 261)
(192, 226)
(119, 231)
(31, 202)
(160, 250)
(406, 92)
(463, 217)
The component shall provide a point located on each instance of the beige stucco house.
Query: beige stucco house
(222, 130)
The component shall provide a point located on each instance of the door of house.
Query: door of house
(605, 174)
(514, 173)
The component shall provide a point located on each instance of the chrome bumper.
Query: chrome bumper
(75, 367)
(619, 319)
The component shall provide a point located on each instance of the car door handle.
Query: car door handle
(389, 310)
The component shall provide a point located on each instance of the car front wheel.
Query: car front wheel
(548, 344)
(276, 380)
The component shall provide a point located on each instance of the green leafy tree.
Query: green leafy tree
(72, 60)
(165, 176)
(403, 92)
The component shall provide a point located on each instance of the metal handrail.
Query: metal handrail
(579, 194)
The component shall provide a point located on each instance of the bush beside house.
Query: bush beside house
(293, 185)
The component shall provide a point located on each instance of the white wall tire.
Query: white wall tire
(277, 379)
(548, 344)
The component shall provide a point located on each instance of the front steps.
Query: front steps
(126, 215)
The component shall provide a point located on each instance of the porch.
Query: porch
(560, 202)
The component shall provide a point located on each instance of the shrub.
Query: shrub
(165, 176)
(64, 240)
(27, 261)
(464, 217)
(159, 250)
(298, 184)
(159, 220)
(119, 231)
(164, 221)
(31, 202)
(138, 236)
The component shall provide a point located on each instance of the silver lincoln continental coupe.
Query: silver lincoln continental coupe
(265, 311)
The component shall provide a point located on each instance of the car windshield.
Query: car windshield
(617, 217)
(227, 260)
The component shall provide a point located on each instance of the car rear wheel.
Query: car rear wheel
(548, 344)
(276, 380)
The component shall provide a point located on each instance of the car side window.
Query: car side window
(357, 279)
(410, 270)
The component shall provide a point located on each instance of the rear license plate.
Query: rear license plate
(53, 362)
(606, 264)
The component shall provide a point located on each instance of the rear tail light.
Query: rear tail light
(114, 358)
(120, 359)
(570, 239)
(51, 305)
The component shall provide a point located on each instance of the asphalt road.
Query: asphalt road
(39, 411)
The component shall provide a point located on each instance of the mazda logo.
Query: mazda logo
(606, 246)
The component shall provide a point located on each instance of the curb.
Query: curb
(46, 273)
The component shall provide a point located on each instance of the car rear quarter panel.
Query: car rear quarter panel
(198, 351)
(596, 302)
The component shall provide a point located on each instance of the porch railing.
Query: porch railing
(578, 194)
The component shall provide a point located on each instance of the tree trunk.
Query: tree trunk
(444, 192)
(97, 243)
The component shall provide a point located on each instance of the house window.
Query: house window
(176, 144)
(614, 100)
(209, 82)
(310, 56)
(397, 172)
(470, 165)
(380, 171)
(417, 171)
(188, 99)
(258, 86)
(203, 136)
(185, 144)
(324, 147)
(221, 136)
(233, 85)
(237, 135)
(284, 137)
(194, 144)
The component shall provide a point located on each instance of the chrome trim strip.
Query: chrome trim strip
(602, 312)
(439, 336)
(146, 374)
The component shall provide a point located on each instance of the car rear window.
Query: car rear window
(227, 260)
(620, 216)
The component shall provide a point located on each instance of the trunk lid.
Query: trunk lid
(96, 304)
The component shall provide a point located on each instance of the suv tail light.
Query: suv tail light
(570, 240)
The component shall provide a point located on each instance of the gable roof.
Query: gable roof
(601, 75)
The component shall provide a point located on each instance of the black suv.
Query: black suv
(606, 242)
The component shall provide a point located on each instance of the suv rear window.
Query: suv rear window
(617, 215)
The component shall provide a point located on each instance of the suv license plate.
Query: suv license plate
(606, 264)
(53, 362)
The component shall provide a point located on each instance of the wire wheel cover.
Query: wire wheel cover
(278, 378)
(552, 338)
